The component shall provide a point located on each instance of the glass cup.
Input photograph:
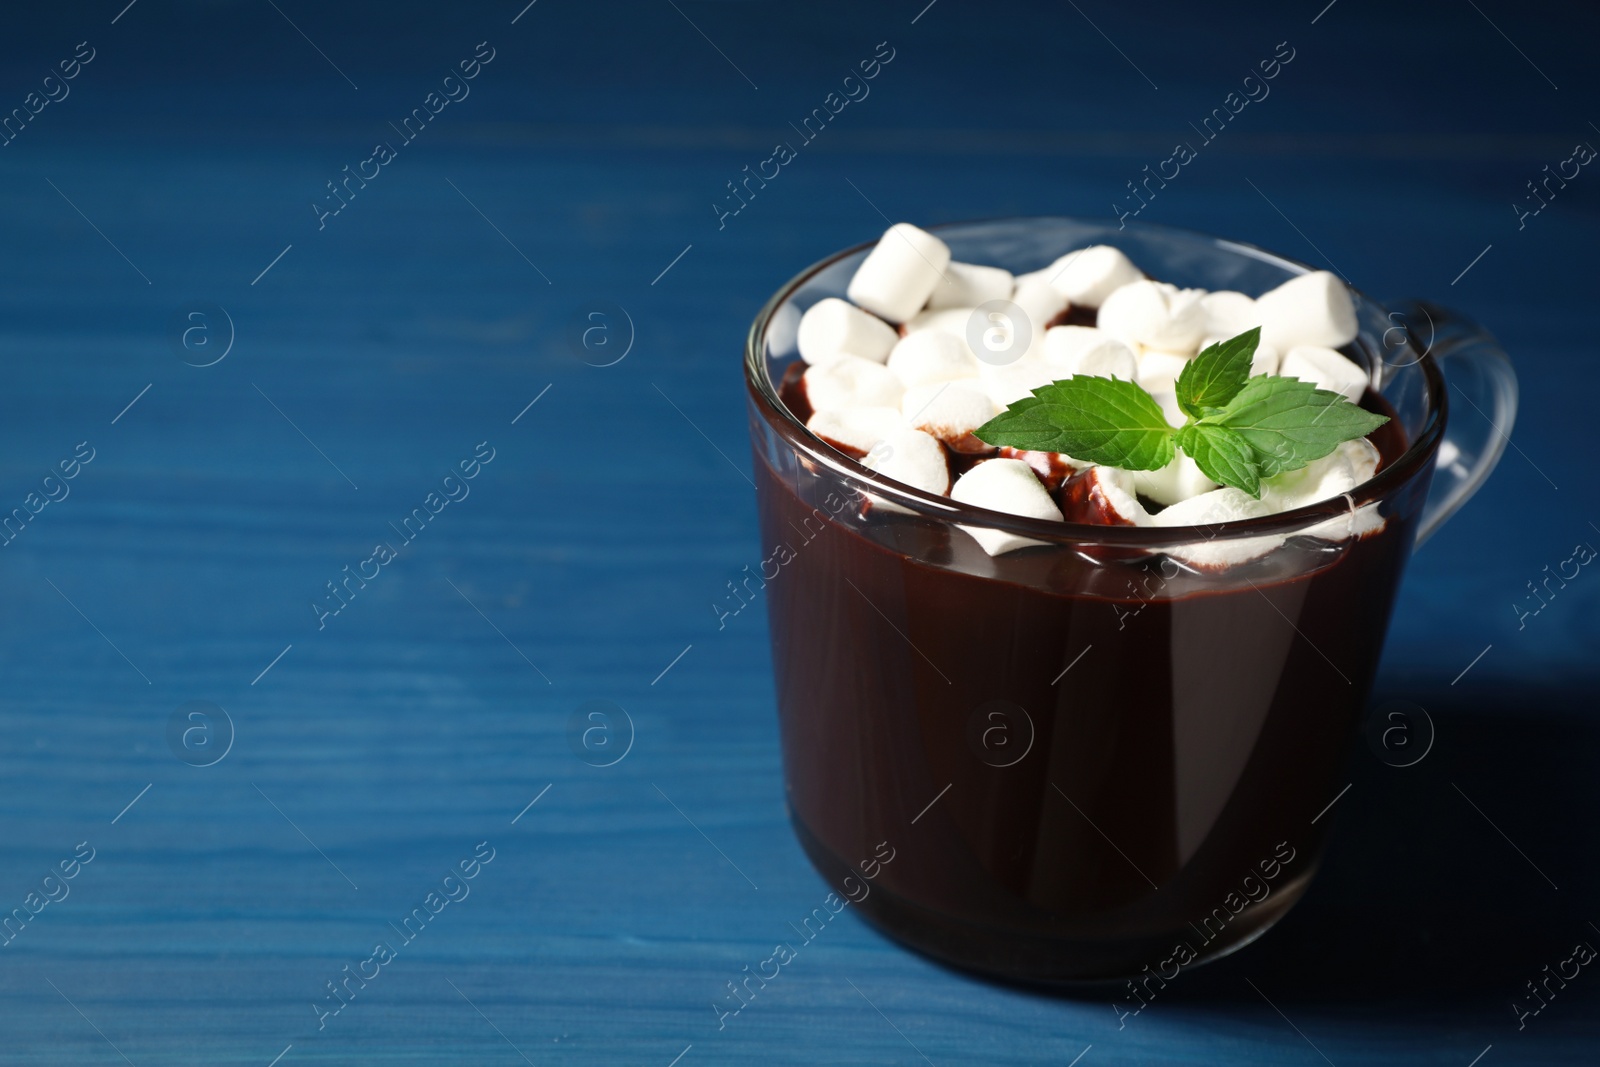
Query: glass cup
(1108, 755)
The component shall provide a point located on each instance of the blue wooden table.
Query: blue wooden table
(302, 644)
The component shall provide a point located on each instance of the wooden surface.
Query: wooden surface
(373, 752)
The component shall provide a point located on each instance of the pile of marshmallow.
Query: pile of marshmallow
(927, 349)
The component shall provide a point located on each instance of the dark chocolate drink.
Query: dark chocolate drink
(1082, 755)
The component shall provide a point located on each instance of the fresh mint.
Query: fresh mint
(1224, 454)
(1239, 429)
(1288, 422)
(1216, 375)
(1101, 420)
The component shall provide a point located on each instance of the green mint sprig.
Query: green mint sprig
(1239, 430)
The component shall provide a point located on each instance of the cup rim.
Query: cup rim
(1065, 533)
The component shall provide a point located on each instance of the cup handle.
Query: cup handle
(1478, 371)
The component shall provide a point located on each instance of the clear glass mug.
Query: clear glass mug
(1102, 757)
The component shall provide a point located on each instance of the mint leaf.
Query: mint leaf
(1223, 454)
(1100, 420)
(1216, 375)
(1023, 425)
(1288, 422)
(1240, 429)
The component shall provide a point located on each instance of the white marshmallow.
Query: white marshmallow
(1039, 304)
(1363, 457)
(1150, 314)
(912, 457)
(1187, 322)
(855, 429)
(1228, 314)
(851, 382)
(952, 321)
(1087, 351)
(1053, 468)
(1177, 481)
(832, 328)
(1167, 400)
(1158, 370)
(1220, 505)
(1312, 309)
(1029, 278)
(1002, 334)
(932, 356)
(1330, 476)
(1349, 525)
(1326, 369)
(1108, 359)
(1008, 384)
(1134, 311)
(1091, 274)
(948, 410)
(1063, 343)
(966, 285)
(1352, 463)
(1104, 496)
(1264, 360)
(900, 273)
(1007, 485)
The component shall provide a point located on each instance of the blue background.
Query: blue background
(380, 749)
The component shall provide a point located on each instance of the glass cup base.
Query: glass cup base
(1063, 964)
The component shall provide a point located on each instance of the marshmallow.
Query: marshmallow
(900, 273)
(1061, 343)
(854, 431)
(1001, 333)
(1148, 313)
(1264, 360)
(1228, 314)
(1008, 384)
(1088, 351)
(966, 285)
(1103, 496)
(1158, 370)
(1335, 474)
(1167, 401)
(952, 321)
(1331, 476)
(1091, 274)
(948, 410)
(1006, 485)
(1176, 482)
(1134, 311)
(851, 382)
(1107, 359)
(1312, 309)
(932, 356)
(1220, 505)
(831, 328)
(911, 457)
(1363, 456)
(1052, 468)
(1355, 524)
(1326, 369)
(1039, 300)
